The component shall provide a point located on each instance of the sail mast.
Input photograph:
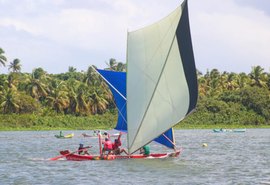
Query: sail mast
(127, 115)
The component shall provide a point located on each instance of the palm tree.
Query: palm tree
(214, 74)
(72, 86)
(256, 76)
(91, 76)
(15, 66)
(3, 81)
(58, 98)
(73, 106)
(115, 66)
(72, 69)
(97, 101)
(39, 73)
(8, 101)
(230, 82)
(268, 81)
(3, 59)
(13, 80)
(203, 87)
(81, 100)
(242, 80)
(120, 66)
(112, 65)
(36, 87)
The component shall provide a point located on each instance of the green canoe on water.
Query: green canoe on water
(65, 136)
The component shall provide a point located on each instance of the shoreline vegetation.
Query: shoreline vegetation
(82, 101)
(106, 121)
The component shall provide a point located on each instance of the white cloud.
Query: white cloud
(17, 24)
(231, 37)
(225, 35)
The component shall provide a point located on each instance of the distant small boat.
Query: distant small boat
(65, 136)
(95, 134)
(239, 130)
(222, 130)
(228, 130)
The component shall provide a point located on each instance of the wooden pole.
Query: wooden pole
(100, 144)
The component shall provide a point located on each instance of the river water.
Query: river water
(229, 158)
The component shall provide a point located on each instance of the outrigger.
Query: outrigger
(74, 156)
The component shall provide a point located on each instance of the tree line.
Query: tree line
(233, 98)
(75, 93)
(224, 97)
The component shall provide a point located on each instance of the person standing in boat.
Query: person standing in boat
(145, 150)
(107, 146)
(116, 146)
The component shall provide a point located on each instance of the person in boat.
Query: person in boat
(107, 146)
(61, 134)
(84, 135)
(83, 150)
(116, 146)
(145, 150)
(96, 132)
(106, 135)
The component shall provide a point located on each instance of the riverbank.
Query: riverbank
(16, 122)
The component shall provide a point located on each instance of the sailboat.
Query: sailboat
(159, 88)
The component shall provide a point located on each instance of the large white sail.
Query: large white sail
(159, 78)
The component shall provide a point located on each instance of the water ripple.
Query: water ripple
(230, 158)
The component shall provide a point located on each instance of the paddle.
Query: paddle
(61, 156)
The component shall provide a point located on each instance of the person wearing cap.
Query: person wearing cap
(82, 150)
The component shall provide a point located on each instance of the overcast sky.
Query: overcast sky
(230, 35)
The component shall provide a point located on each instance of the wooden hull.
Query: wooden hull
(76, 157)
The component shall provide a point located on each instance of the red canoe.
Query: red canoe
(76, 157)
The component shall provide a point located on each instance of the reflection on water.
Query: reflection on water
(229, 158)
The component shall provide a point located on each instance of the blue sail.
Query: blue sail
(117, 84)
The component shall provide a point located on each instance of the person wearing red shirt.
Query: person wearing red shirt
(107, 146)
(116, 146)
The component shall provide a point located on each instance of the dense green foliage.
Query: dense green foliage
(82, 100)
(233, 99)
(56, 122)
